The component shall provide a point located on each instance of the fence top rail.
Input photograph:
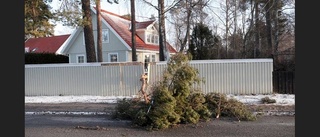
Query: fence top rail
(82, 64)
(225, 61)
(61, 65)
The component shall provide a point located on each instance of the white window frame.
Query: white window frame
(152, 38)
(110, 54)
(156, 39)
(153, 58)
(150, 57)
(84, 58)
(105, 36)
(149, 38)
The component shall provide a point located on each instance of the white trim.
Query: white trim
(150, 56)
(69, 58)
(82, 55)
(113, 53)
(117, 35)
(152, 36)
(113, 31)
(61, 65)
(227, 61)
(64, 46)
(147, 51)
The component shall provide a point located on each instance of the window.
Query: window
(113, 57)
(80, 59)
(152, 39)
(146, 58)
(153, 58)
(105, 36)
(156, 39)
(148, 38)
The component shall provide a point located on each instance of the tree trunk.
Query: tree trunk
(276, 36)
(99, 31)
(88, 32)
(162, 36)
(187, 37)
(227, 27)
(133, 30)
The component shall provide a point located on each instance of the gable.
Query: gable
(121, 26)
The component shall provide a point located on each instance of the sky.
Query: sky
(144, 11)
(122, 8)
(281, 99)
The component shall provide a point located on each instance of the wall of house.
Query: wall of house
(113, 46)
(141, 34)
(141, 55)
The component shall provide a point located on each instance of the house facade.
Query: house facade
(116, 40)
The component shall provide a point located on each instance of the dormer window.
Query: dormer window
(152, 39)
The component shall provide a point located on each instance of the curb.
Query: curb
(66, 113)
(275, 113)
(264, 113)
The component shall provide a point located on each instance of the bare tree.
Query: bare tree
(269, 4)
(163, 49)
(190, 6)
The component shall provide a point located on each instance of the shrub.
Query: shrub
(45, 58)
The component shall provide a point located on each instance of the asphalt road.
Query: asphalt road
(80, 120)
(104, 126)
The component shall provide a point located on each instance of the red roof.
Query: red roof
(45, 44)
(121, 26)
(143, 25)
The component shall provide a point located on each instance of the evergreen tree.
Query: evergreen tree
(36, 19)
(203, 45)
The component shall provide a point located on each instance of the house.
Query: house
(116, 40)
(45, 44)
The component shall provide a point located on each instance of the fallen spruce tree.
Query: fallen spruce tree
(173, 100)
